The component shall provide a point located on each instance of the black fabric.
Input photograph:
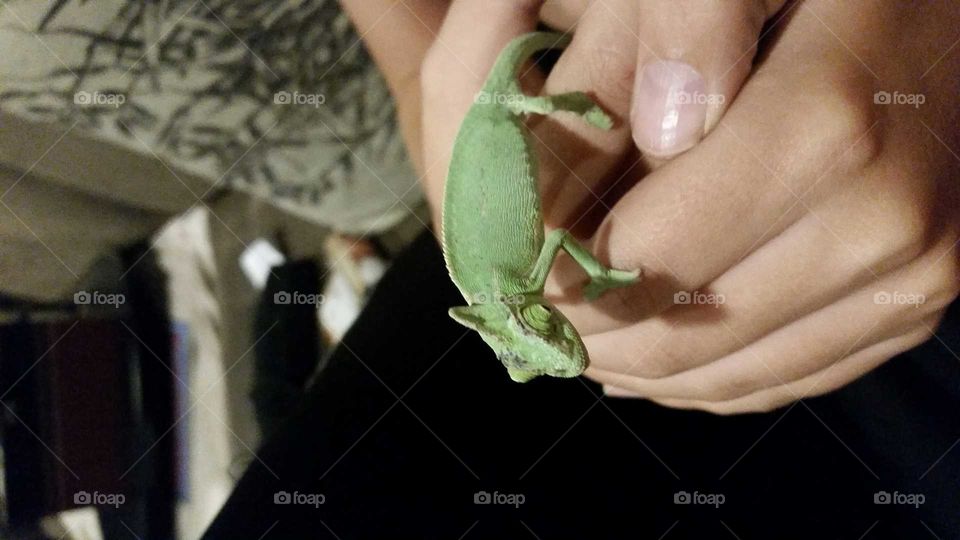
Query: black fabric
(413, 416)
(290, 348)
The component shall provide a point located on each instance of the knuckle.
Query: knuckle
(910, 228)
(837, 128)
(848, 126)
(895, 223)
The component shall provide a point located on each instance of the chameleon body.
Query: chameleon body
(493, 232)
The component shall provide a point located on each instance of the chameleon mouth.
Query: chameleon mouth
(513, 360)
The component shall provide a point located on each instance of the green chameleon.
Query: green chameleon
(493, 231)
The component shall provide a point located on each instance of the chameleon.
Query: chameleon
(494, 243)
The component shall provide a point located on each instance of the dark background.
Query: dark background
(413, 416)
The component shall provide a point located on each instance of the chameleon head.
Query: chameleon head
(531, 338)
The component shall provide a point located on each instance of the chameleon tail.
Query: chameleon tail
(518, 51)
(503, 79)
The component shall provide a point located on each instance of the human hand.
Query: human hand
(825, 221)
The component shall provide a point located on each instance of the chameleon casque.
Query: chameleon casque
(493, 231)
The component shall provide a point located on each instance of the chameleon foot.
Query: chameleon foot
(610, 279)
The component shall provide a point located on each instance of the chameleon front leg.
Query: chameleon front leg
(575, 102)
(601, 277)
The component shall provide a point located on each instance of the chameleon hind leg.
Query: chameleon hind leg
(575, 102)
(601, 277)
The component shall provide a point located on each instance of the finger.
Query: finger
(610, 390)
(693, 57)
(823, 382)
(455, 69)
(578, 162)
(842, 246)
(563, 15)
(763, 372)
(902, 299)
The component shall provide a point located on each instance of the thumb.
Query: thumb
(693, 57)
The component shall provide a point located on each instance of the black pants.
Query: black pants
(414, 431)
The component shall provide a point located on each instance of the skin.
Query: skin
(493, 239)
(803, 201)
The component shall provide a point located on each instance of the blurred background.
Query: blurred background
(197, 197)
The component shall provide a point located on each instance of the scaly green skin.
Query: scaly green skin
(493, 232)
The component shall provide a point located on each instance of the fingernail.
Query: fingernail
(617, 392)
(668, 115)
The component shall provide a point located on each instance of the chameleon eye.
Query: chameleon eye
(538, 317)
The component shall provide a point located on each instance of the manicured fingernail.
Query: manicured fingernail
(668, 113)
